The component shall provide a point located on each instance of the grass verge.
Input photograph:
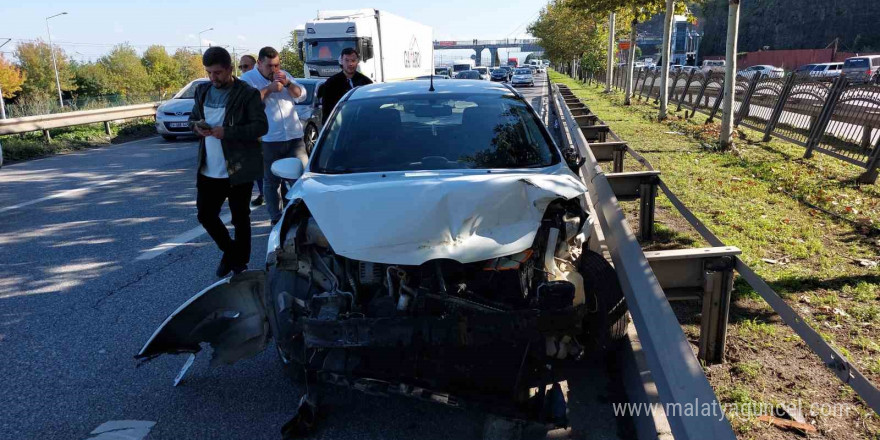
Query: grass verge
(804, 225)
(31, 145)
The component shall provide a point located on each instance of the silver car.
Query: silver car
(309, 111)
(862, 69)
(172, 116)
(522, 76)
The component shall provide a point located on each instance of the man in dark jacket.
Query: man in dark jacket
(228, 116)
(338, 85)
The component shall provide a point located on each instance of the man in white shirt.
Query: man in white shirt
(280, 93)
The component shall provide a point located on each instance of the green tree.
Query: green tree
(93, 79)
(290, 60)
(162, 69)
(35, 60)
(127, 74)
(11, 78)
(189, 65)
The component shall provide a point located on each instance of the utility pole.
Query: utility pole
(664, 58)
(729, 74)
(631, 59)
(2, 103)
(202, 51)
(55, 63)
(609, 71)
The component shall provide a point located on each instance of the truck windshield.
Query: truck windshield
(326, 50)
(455, 131)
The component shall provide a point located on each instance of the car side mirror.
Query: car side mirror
(574, 160)
(290, 168)
(367, 49)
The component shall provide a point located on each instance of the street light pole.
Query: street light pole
(55, 63)
(202, 51)
(2, 103)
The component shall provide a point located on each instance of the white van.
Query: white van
(713, 65)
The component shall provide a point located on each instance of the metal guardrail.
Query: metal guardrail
(677, 372)
(58, 120)
(845, 370)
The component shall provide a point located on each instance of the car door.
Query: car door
(230, 315)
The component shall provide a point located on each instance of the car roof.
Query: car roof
(420, 87)
(825, 64)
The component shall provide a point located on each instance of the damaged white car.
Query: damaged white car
(434, 246)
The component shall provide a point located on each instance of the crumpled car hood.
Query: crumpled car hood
(412, 217)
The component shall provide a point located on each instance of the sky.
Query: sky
(92, 27)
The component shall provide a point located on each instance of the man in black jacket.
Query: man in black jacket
(228, 115)
(338, 85)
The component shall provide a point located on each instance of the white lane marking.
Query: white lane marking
(122, 430)
(180, 240)
(122, 179)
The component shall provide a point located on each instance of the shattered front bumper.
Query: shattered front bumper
(428, 331)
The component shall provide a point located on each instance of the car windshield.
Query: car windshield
(454, 131)
(522, 72)
(326, 50)
(188, 92)
(856, 63)
(469, 74)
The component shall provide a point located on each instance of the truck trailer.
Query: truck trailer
(392, 48)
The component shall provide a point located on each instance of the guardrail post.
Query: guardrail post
(46, 136)
(696, 103)
(777, 109)
(617, 159)
(716, 307)
(817, 129)
(747, 100)
(647, 201)
(107, 128)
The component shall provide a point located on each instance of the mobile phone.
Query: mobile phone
(203, 125)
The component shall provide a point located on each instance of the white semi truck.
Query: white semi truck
(392, 48)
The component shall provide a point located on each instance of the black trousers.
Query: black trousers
(210, 195)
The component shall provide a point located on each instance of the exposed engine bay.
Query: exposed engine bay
(475, 328)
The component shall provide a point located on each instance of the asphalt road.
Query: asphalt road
(98, 247)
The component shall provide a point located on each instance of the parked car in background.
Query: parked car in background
(468, 74)
(172, 116)
(522, 76)
(713, 66)
(484, 72)
(499, 75)
(436, 77)
(862, 69)
(762, 69)
(805, 69)
(827, 71)
(442, 71)
(309, 111)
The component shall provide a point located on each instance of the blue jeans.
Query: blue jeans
(272, 186)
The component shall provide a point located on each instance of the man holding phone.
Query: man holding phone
(280, 93)
(228, 116)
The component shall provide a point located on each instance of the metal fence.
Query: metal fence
(836, 117)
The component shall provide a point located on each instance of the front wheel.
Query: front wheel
(606, 319)
(310, 137)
